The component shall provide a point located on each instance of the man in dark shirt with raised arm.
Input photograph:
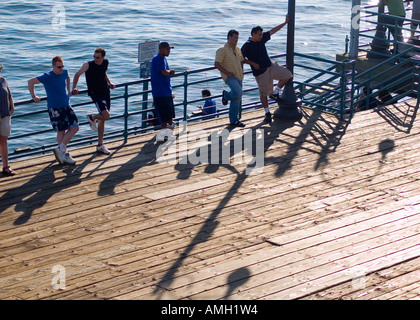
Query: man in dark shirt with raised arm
(264, 70)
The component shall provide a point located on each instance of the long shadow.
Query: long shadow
(284, 164)
(42, 187)
(328, 145)
(211, 223)
(126, 171)
(203, 234)
(400, 116)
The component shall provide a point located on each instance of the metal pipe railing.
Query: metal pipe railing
(399, 75)
(186, 82)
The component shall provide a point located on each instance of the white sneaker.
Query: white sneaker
(278, 91)
(68, 159)
(102, 149)
(165, 133)
(92, 122)
(172, 126)
(59, 155)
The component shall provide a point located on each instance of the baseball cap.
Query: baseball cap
(165, 44)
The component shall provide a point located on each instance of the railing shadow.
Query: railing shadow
(400, 116)
(42, 186)
(127, 170)
(309, 124)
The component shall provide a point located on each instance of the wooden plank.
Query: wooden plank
(284, 259)
(350, 224)
(373, 286)
(316, 175)
(295, 280)
(166, 193)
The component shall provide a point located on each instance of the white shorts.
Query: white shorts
(5, 127)
(274, 72)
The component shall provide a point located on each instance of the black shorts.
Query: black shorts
(102, 102)
(165, 109)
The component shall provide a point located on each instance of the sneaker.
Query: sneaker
(160, 136)
(165, 134)
(102, 149)
(68, 159)
(172, 126)
(224, 99)
(92, 122)
(59, 155)
(267, 117)
(238, 124)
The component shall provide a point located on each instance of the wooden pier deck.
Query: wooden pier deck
(334, 214)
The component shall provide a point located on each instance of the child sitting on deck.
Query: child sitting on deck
(209, 107)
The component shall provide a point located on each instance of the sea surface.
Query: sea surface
(32, 32)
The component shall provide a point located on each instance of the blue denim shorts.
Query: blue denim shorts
(63, 118)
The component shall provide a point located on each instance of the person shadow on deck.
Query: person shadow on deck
(283, 163)
(224, 148)
(42, 187)
(126, 171)
(210, 225)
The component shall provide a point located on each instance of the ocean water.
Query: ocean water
(32, 32)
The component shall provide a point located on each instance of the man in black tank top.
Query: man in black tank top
(98, 85)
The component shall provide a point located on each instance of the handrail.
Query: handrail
(395, 72)
(126, 112)
(334, 83)
(397, 78)
(136, 103)
(372, 20)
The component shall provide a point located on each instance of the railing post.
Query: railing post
(125, 134)
(343, 90)
(355, 28)
(289, 104)
(353, 74)
(145, 103)
(417, 75)
(185, 102)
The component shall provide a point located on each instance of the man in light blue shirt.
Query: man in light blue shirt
(62, 116)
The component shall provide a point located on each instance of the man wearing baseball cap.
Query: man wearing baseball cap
(165, 45)
(162, 91)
